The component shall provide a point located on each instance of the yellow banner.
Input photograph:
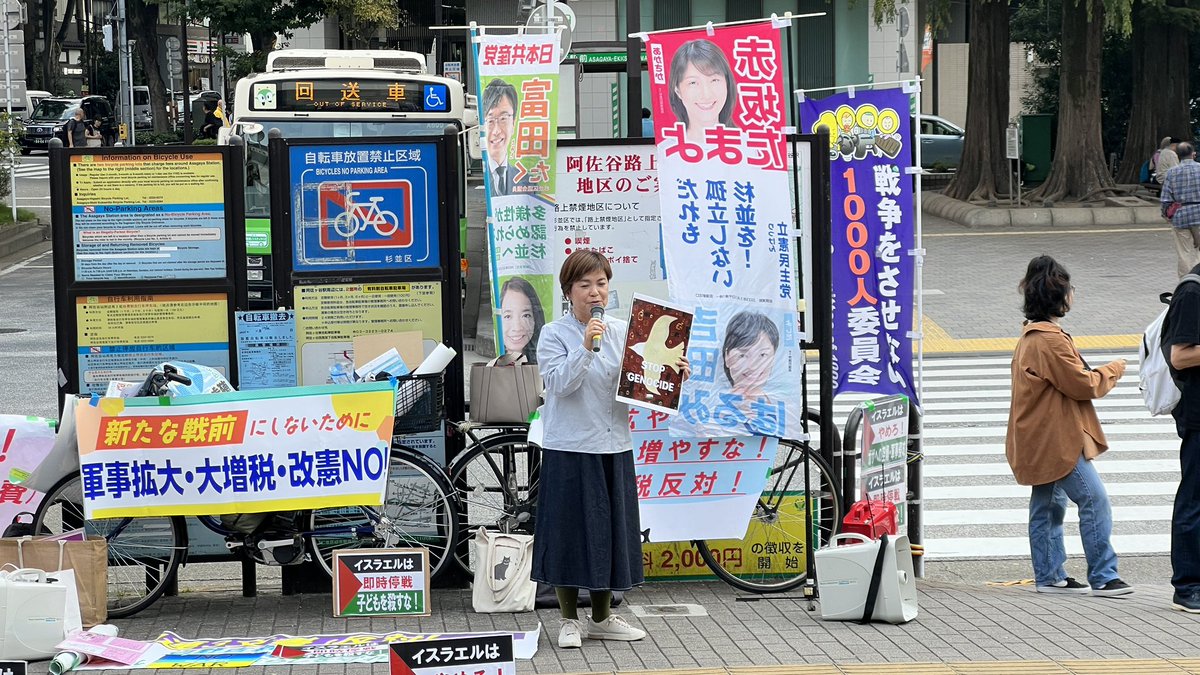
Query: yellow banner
(765, 550)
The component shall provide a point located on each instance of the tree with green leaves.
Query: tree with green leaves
(1079, 171)
(262, 19)
(1160, 83)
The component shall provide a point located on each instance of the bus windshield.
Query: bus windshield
(258, 197)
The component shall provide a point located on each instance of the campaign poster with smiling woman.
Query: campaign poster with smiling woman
(718, 102)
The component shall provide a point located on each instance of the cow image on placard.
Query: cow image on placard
(366, 214)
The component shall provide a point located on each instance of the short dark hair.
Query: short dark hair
(578, 265)
(1047, 288)
(1185, 150)
(708, 59)
(743, 330)
(520, 285)
(645, 113)
(494, 91)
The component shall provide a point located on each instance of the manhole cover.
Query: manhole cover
(668, 610)
(11, 330)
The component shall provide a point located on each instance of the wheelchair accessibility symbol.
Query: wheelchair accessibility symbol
(436, 98)
(366, 214)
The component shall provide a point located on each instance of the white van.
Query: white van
(32, 98)
(142, 117)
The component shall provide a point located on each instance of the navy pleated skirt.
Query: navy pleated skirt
(587, 533)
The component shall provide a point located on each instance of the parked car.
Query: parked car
(32, 98)
(50, 118)
(941, 143)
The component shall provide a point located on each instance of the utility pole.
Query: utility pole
(188, 132)
(124, 63)
(8, 94)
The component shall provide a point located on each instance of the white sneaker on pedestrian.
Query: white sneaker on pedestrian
(614, 628)
(569, 636)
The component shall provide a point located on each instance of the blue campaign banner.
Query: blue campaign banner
(872, 207)
(364, 207)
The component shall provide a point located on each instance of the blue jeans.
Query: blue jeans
(1185, 520)
(1048, 507)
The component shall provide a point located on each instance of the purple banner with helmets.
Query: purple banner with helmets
(873, 233)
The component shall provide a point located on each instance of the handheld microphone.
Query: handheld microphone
(597, 313)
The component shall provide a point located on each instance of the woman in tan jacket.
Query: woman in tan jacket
(1053, 434)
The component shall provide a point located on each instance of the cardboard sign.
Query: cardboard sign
(481, 655)
(381, 582)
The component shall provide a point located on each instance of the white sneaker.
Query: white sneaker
(614, 628)
(569, 634)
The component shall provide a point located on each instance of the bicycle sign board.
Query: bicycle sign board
(364, 207)
(383, 582)
(356, 219)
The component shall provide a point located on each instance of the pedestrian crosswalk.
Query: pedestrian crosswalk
(33, 170)
(973, 508)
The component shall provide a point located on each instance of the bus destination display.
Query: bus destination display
(349, 94)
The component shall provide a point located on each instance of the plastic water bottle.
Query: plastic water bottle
(341, 372)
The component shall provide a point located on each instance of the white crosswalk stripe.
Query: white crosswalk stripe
(39, 170)
(973, 508)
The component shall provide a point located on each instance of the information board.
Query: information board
(381, 582)
(121, 337)
(266, 349)
(329, 316)
(149, 261)
(148, 216)
(608, 202)
(364, 207)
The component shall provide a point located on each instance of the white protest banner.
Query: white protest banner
(885, 453)
(24, 443)
(702, 488)
(718, 102)
(518, 110)
(608, 202)
(241, 452)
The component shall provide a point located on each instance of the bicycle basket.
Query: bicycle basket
(420, 402)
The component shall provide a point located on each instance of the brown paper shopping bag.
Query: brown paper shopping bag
(89, 560)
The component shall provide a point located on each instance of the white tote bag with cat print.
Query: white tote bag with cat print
(503, 563)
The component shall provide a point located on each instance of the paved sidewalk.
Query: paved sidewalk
(959, 625)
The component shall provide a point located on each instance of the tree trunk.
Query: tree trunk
(1160, 88)
(983, 172)
(1078, 171)
(143, 23)
(49, 58)
(68, 17)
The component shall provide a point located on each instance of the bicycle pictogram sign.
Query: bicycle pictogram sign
(366, 214)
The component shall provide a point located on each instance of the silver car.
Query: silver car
(941, 143)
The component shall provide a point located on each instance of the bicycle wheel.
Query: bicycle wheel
(387, 223)
(497, 481)
(345, 224)
(771, 557)
(144, 554)
(419, 510)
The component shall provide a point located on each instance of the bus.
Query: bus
(316, 93)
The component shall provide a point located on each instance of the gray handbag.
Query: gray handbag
(505, 390)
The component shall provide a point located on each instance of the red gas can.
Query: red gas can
(871, 518)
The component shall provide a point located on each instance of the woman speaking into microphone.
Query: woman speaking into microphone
(587, 534)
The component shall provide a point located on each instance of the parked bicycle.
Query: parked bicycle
(145, 554)
(497, 483)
